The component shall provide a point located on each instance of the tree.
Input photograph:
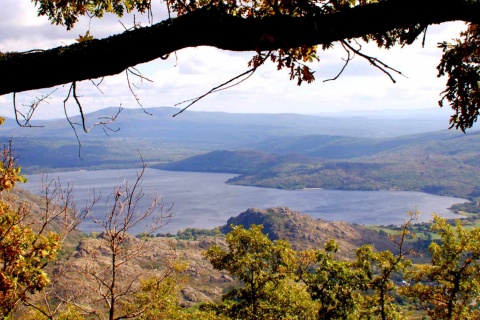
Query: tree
(23, 252)
(161, 299)
(286, 32)
(106, 280)
(337, 285)
(30, 238)
(360, 289)
(265, 269)
(448, 286)
(280, 283)
(384, 265)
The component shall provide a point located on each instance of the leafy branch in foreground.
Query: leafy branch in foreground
(266, 271)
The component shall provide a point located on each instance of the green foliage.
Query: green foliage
(449, 284)
(194, 233)
(24, 253)
(69, 313)
(325, 287)
(158, 299)
(265, 269)
(335, 284)
(23, 256)
(461, 62)
(471, 207)
(67, 12)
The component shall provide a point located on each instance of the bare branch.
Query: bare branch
(97, 85)
(32, 107)
(137, 73)
(374, 62)
(103, 123)
(70, 122)
(102, 274)
(247, 74)
(347, 60)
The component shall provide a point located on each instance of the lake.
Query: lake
(203, 200)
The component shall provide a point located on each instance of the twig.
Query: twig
(32, 107)
(375, 62)
(349, 58)
(137, 73)
(222, 86)
(97, 85)
(70, 121)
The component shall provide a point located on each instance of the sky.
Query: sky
(192, 72)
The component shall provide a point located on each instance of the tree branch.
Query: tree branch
(210, 27)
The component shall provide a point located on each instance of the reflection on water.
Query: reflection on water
(203, 200)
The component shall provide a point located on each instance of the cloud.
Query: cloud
(194, 71)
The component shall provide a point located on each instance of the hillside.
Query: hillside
(443, 163)
(230, 128)
(269, 150)
(227, 161)
(203, 283)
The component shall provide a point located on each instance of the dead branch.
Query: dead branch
(374, 61)
(134, 71)
(247, 74)
(32, 107)
(347, 60)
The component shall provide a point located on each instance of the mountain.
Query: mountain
(223, 128)
(228, 161)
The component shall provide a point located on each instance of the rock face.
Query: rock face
(305, 232)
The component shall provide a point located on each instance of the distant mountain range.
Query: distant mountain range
(231, 129)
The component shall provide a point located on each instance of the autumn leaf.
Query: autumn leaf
(86, 37)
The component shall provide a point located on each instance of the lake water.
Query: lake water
(203, 200)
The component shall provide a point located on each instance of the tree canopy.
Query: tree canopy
(286, 32)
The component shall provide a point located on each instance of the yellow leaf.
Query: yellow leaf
(86, 37)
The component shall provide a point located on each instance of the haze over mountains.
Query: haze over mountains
(232, 129)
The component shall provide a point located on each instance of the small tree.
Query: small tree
(159, 297)
(266, 270)
(335, 284)
(29, 238)
(384, 266)
(105, 286)
(448, 286)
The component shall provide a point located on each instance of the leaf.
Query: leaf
(86, 37)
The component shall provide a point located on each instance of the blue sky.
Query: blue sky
(194, 71)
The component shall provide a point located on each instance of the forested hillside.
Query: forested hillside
(440, 163)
